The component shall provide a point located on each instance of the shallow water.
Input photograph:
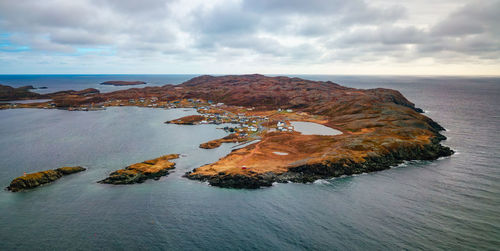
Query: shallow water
(310, 128)
(451, 203)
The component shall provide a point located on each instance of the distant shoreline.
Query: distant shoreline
(123, 83)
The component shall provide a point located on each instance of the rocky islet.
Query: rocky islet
(33, 180)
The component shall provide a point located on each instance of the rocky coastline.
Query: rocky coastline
(312, 172)
(33, 180)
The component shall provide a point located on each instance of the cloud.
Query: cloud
(280, 33)
(474, 18)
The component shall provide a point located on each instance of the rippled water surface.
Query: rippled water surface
(451, 203)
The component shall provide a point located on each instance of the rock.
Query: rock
(33, 180)
(139, 172)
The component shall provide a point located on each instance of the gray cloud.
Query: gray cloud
(275, 31)
(474, 18)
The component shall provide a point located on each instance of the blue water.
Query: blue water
(452, 203)
(56, 83)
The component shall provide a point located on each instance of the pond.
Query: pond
(310, 128)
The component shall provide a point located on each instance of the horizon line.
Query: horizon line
(265, 74)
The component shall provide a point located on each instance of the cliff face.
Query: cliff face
(33, 180)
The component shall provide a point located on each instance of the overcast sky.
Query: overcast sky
(422, 37)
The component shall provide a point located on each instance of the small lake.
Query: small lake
(310, 128)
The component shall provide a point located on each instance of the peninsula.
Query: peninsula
(379, 127)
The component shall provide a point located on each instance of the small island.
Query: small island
(123, 83)
(139, 172)
(32, 180)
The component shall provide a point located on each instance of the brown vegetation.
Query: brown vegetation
(139, 172)
(33, 180)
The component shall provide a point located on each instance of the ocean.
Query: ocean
(451, 203)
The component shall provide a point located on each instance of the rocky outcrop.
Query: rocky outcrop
(123, 83)
(33, 180)
(187, 120)
(139, 172)
(231, 138)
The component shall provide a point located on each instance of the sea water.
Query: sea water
(450, 203)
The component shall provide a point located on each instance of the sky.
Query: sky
(354, 37)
